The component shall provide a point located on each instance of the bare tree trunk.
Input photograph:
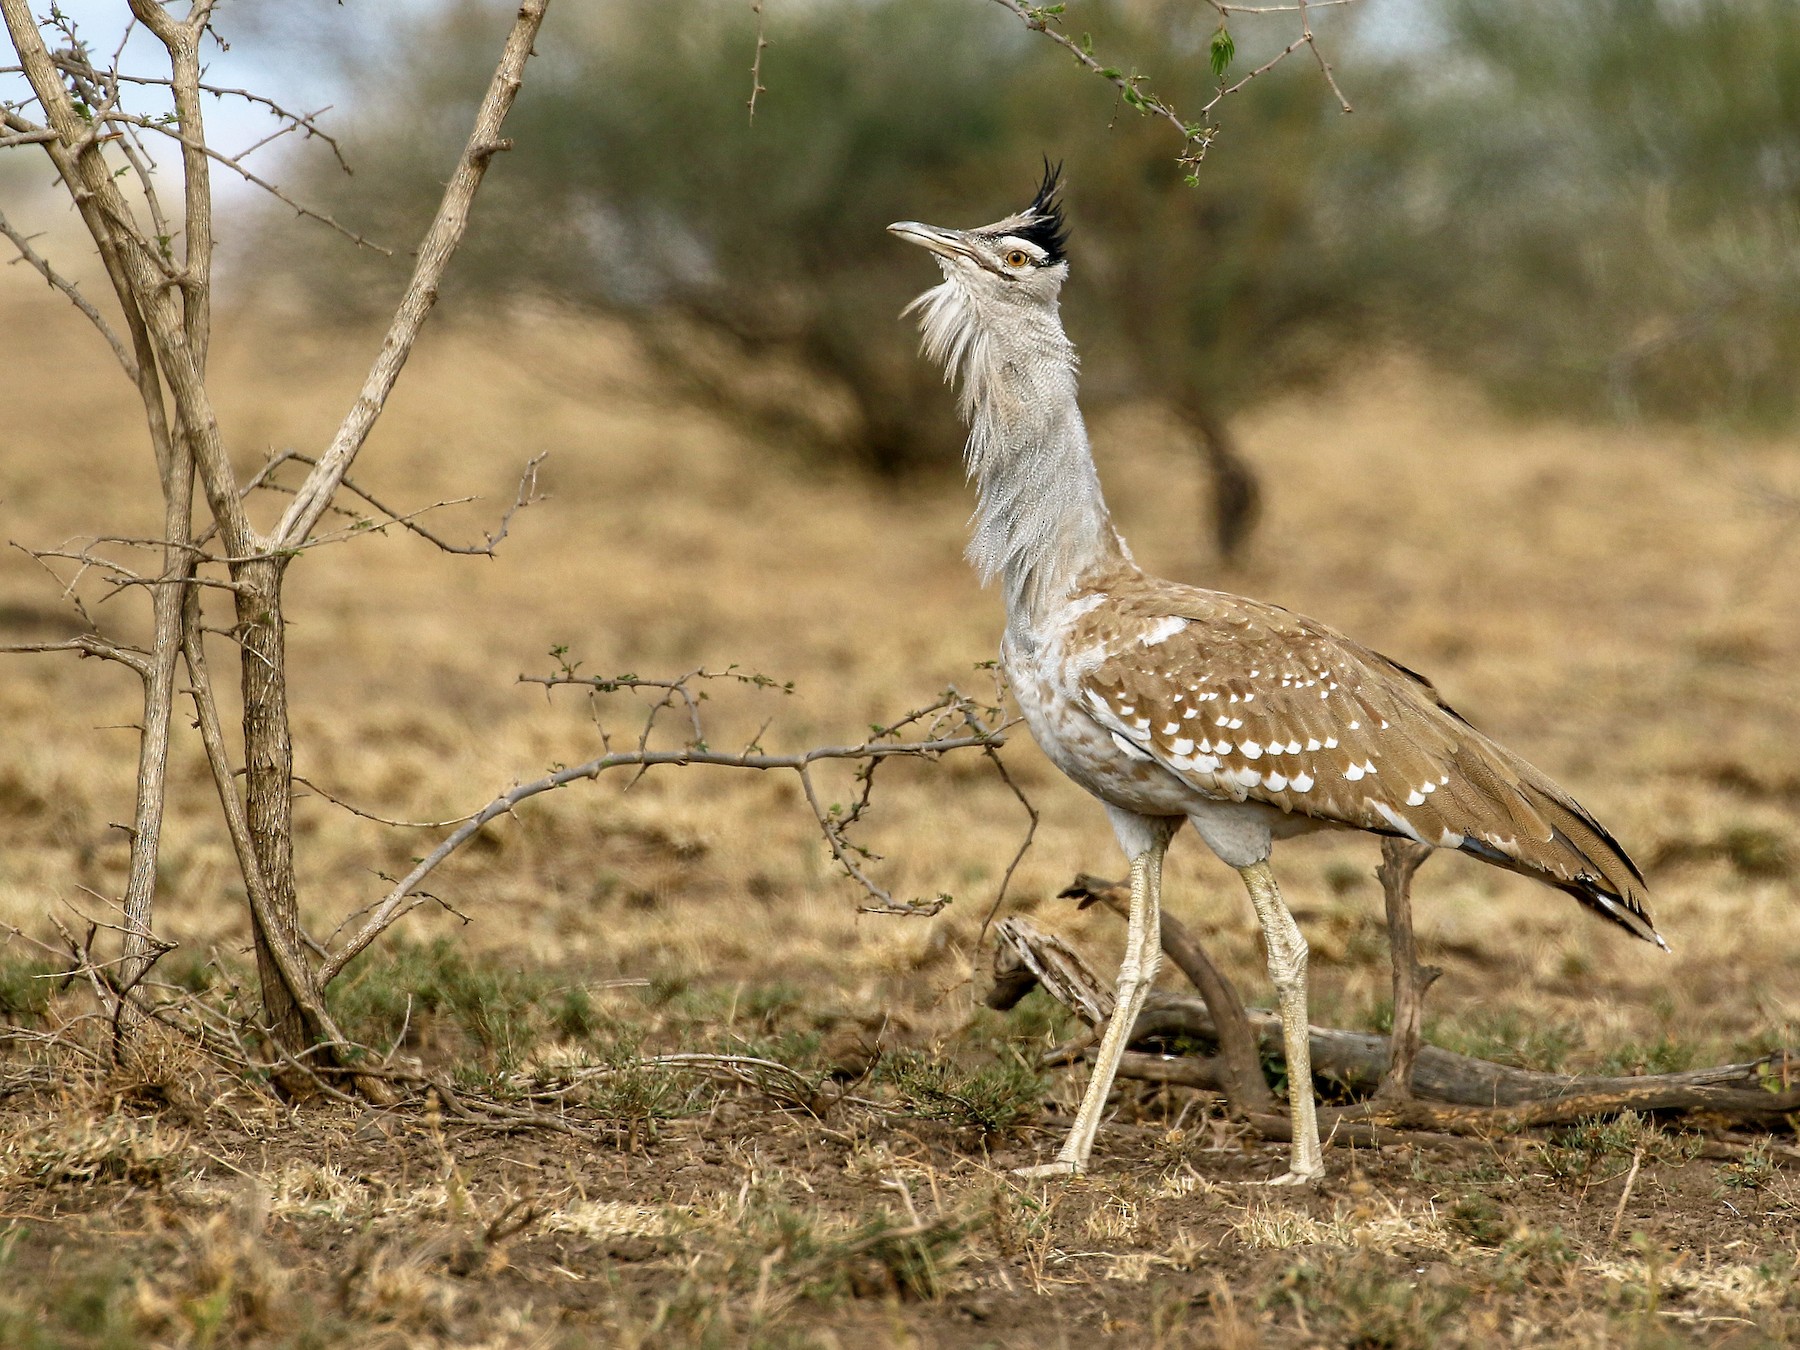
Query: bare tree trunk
(269, 790)
(1236, 491)
(141, 945)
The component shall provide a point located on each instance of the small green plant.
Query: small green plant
(634, 1097)
(504, 1011)
(1752, 1171)
(1585, 1151)
(991, 1100)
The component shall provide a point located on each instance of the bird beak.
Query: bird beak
(944, 243)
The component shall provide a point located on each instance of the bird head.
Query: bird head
(1015, 262)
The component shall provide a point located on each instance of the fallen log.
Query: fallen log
(1452, 1092)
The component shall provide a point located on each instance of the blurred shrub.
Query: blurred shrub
(1595, 204)
(1586, 204)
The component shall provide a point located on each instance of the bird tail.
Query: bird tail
(1564, 846)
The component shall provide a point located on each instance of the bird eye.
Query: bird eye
(1017, 258)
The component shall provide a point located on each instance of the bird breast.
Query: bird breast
(1043, 676)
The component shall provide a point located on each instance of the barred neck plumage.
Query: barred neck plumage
(1040, 519)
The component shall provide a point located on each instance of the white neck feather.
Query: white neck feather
(1040, 520)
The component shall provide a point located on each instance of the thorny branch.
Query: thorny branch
(236, 165)
(954, 722)
(1196, 136)
(762, 42)
(434, 254)
(30, 256)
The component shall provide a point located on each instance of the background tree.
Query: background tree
(1564, 201)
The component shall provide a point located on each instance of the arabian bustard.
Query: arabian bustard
(1170, 703)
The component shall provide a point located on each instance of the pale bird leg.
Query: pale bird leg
(1287, 969)
(1143, 951)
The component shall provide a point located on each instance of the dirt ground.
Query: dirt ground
(1618, 604)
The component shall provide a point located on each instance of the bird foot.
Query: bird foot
(1292, 1178)
(1059, 1168)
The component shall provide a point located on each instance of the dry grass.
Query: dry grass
(1617, 604)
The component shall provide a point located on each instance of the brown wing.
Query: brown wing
(1253, 702)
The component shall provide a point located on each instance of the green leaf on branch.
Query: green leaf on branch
(1222, 49)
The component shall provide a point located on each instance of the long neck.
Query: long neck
(1040, 519)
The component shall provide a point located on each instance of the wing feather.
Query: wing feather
(1248, 701)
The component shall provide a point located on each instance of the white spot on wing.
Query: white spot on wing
(1162, 630)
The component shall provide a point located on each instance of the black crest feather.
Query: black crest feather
(1045, 225)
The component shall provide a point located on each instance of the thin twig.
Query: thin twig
(1019, 856)
(435, 252)
(298, 121)
(401, 899)
(87, 645)
(756, 84)
(30, 255)
(250, 176)
(380, 820)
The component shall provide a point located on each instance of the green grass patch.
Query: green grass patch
(1665, 1054)
(505, 1011)
(991, 1100)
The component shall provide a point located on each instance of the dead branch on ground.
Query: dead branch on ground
(1452, 1093)
(1245, 1087)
